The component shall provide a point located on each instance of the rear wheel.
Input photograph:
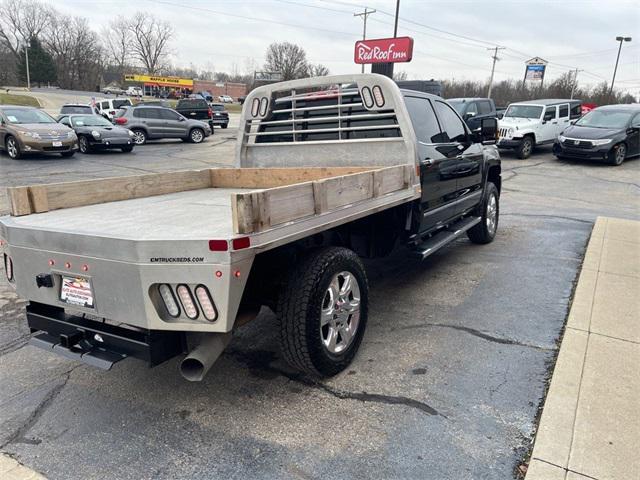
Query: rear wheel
(139, 136)
(617, 154)
(489, 212)
(525, 148)
(323, 311)
(12, 147)
(196, 135)
(83, 144)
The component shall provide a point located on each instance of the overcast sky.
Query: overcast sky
(221, 34)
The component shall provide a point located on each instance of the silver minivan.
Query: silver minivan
(151, 123)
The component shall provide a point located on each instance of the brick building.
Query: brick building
(234, 90)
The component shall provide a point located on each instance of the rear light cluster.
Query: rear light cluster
(121, 121)
(372, 96)
(8, 267)
(210, 113)
(259, 106)
(184, 300)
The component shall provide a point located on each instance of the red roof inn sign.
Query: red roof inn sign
(384, 50)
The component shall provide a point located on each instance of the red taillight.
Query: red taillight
(67, 265)
(218, 273)
(112, 112)
(121, 121)
(210, 113)
(218, 245)
(240, 243)
(52, 262)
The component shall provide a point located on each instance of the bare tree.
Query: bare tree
(21, 20)
(400, 75)
(317, 70)
(116, 39)
(288, 59)
(150, 41)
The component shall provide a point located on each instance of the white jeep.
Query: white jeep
(535, 122)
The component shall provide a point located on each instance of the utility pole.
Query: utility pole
(364, 16)
(619, 39)
(395, 24)
(493, 67)
(575, 81)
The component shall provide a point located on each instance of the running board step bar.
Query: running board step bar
(444, 237)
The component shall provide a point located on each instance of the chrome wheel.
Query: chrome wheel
(621, 152)
(491, 215)
(197, 135)
(340, 314)
(139, 137)
(84, 144)
(12, 147)
(527, 147)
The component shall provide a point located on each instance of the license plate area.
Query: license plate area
(76, 290)
(57, 144)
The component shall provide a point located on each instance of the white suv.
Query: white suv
(536, 122)
(225, 99)
(110, 106)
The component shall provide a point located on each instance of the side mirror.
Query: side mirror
(468, 115)
(488, 130)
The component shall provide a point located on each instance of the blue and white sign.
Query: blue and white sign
(535, 69)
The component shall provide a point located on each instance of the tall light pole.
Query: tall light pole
(27, 46)
(364, 16)
(493, 68)
(619, 39)
(575, 81)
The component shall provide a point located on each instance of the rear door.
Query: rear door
(438, 188)
(174, 124)
(563, 118)
(633, 136)
(465, 157)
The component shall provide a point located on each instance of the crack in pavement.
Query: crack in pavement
(261, 360)
(19, 435)
(560, 217)
(476, 333)
(15, 344)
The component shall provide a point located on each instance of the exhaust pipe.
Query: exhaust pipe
(198, 362)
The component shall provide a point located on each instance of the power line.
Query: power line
(364, 15)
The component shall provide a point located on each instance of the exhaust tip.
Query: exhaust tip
(192, 369)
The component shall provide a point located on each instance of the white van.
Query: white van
(535, 122)
(110, 106)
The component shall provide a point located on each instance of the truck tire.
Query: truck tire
(489, 212)
(322, 311)
(525, 148)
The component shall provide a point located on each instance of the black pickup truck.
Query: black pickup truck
(196, 109)
(473, 110)
(220, 115)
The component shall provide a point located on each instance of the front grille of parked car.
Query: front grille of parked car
(504, 132)
(323, 116)
(575, 143)
(51, 136)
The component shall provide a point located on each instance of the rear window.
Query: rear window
(76, 109)
(192, 103)
(217, 108)
(121, 103)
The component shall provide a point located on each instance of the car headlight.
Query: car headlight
(561, 138)
(30, 134)
(70, 134)
(602, 141)
(95, 134)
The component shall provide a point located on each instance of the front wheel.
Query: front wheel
(489, 212)
(12, 147)
(196, 135)
(617, 154)
(525, 148)
(139, 136)
(323, 311)
(83, 144)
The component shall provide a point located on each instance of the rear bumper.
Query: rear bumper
(96, 343)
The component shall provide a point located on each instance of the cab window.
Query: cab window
(563, 111)
(423, 119)
(484, 107)
(549, 113)
(452, 125)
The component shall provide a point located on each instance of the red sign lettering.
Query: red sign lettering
(384, 50)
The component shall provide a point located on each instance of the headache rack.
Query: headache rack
(326, 113)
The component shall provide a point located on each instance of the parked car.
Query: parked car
(113, 90)
(220, 115)
(97, 133)
(72, 108)
(473, 110)
(109, 106)
(500, 112)
(195, 109)
(610, 133)
(134, 92)
(152, 123)
(26, 130)
(526, 125)
(206, 95)
(225, 99)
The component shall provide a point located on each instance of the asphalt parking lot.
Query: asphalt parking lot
(447, 384)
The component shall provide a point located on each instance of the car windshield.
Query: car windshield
(605, 119)
(121, 103)
(27, 115)
(76, 109)
(90, 121)
(523, 111)
(458, 105)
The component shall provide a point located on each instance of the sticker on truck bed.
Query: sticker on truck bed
(76, 291)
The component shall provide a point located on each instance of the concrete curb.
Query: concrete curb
(589, 426)
(11, 469)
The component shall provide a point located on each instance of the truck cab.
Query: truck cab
(526, 125)
(473, 110)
